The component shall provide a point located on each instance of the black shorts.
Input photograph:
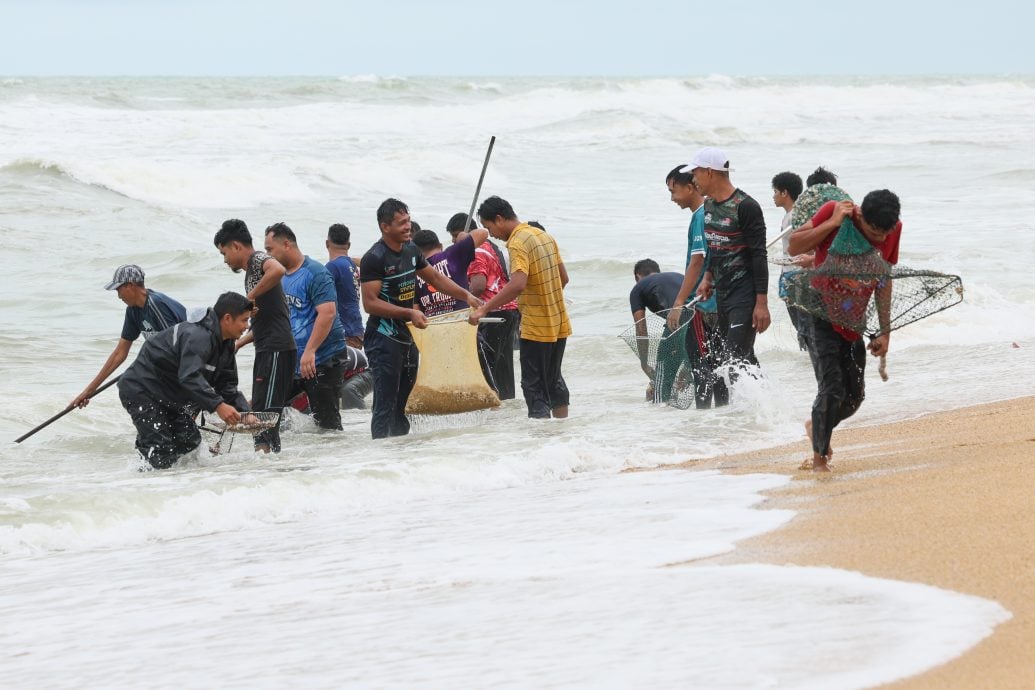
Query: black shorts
(272, 376)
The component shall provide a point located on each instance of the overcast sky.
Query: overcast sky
(522, 37)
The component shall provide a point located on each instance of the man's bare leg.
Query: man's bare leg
(824, 460)
(806, 464)
(560, 412)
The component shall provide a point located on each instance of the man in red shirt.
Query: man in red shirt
(838, 356)
(486, 276)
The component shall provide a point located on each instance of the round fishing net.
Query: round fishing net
(856, 289)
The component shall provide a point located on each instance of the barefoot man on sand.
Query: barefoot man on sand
(838, 356)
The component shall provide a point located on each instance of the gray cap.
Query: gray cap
(129, 273)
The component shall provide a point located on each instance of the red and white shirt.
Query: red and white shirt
(487, 264)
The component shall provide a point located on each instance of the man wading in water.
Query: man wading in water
(185, 368)
(737, 272)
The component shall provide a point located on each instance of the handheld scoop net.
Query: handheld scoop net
(856, 289)
(251, 423)
(449, 377)
(664, 352)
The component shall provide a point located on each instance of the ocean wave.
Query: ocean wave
(629, 113)
(175, 183)
(391, 81)
(1017, 175)
(490, 86)
(293, 487)
(34, 166)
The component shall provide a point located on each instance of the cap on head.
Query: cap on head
(127, 273)
(711, 158)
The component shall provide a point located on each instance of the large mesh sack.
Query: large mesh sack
(449, 378)
(665, 352)
(811, 199)
(805, 206)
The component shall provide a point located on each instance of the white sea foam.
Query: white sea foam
(563, 585)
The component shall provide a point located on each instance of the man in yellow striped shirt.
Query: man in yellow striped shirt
(537, 280)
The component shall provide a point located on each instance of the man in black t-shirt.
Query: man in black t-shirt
(656, 291)
(738, 271)
(275, 350)
(388, 285)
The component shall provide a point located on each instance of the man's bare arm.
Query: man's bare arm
(273, 271)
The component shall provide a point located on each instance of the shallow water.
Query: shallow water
(484, 549)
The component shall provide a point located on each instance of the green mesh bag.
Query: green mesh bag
(664, 351)
(810, 201)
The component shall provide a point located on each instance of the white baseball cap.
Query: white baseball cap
(711, 158)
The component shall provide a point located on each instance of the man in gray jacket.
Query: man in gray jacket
(183, 369)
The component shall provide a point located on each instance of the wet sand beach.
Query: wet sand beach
(947, 499)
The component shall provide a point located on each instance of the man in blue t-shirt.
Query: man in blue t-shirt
(702, 335)
(346, 283)
(312, 303)
(147, 313)
(388, 281)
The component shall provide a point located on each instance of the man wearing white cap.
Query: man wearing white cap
(147, 313)
(737, 271)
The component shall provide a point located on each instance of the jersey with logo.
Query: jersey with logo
(158, 313)
(305, 288)
(735, 231)
(452, 262)
(397, 272)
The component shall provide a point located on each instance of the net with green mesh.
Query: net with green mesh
(856, 289)
(664, 351)
(811, 199)
(805, 206)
